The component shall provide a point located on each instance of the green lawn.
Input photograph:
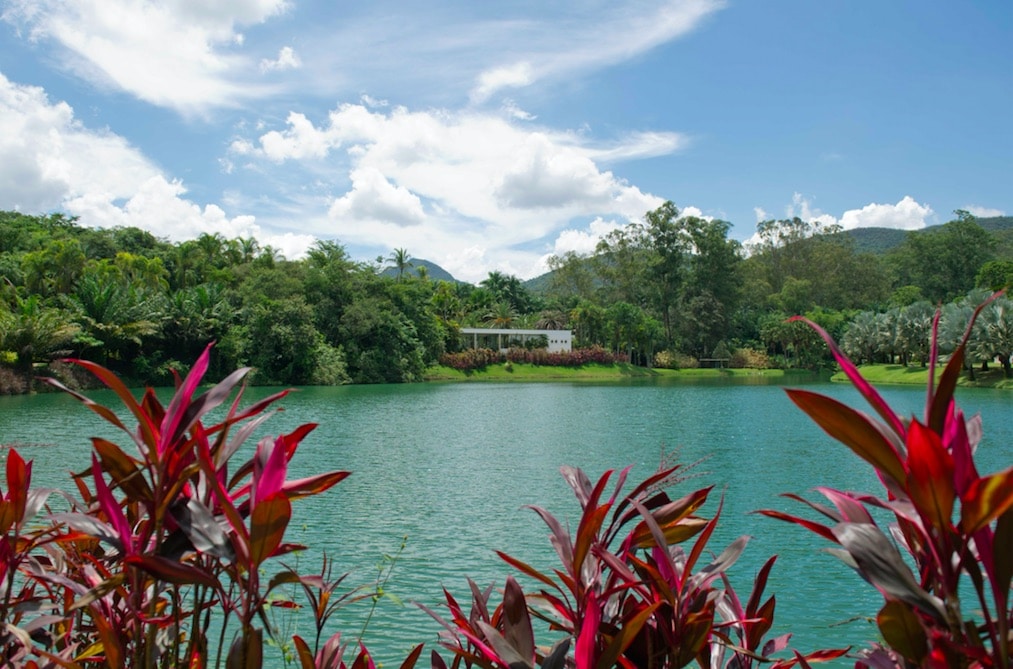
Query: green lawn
(916, 375)
(593, 372)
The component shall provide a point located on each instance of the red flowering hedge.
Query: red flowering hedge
(483, 357)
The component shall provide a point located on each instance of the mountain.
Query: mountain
(435, 272)
(884, 240)
(867, 240)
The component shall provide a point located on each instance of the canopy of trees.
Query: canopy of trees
(670, 284)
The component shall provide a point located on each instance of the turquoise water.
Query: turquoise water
(450, 466)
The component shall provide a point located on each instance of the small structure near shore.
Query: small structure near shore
(500, 339)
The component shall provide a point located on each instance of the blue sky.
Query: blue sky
(488, 136)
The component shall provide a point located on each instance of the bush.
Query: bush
(11, 383)
(675, 360)
(750, 358)
(480, 358)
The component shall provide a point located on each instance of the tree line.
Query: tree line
(669, 290)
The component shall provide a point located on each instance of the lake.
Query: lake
(450, 466)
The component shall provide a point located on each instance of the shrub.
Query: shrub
(675, 360)
(750, 358)
(956, 526)
(11, 383)
(166, 531)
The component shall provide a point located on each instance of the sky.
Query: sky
(488, 136)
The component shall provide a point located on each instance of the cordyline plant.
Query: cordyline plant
(626, 594)
(956, 525)
(167, 547)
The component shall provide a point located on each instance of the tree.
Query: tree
(944, 262)
(993, 334)
(116, 317)
(401, 260)
(35, 333)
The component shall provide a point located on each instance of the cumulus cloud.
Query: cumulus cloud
(905, 215)
(802, 208)
(287, 60)
(584, 242)
(373, 198)
(50, 161)
(179, 54)
(983, 212)
(484, 186)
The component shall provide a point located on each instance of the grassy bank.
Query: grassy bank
(919, 376)
(593, 372)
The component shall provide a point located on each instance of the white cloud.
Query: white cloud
(485, 187)
(50, 161)
(802, 208)
(584, 242)
(510, 76)
(373, 198)
(178, 54)
(983, 212)
(287, 60)
(905, 215)
(512, 110)
(584, 40)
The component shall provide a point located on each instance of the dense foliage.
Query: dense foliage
(672, 288)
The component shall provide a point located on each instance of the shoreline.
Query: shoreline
(592, 372)
(899, 375)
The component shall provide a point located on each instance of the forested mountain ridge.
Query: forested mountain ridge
(884, 240)
(666, 292)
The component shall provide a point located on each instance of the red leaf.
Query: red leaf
(930, 477)
(985, 500)
(821, 530)
(854, 430)
(268, 522)
(863, 386)
(173, 572)
(112, 509)
(173, 421)
(313, 485)
(586, 650)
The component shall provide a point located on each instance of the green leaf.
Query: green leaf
(903, 631)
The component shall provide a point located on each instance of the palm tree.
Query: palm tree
(552, 320)
(35, 333)
(401, 260)
(993, 334)
(116, 316)
(502, 315)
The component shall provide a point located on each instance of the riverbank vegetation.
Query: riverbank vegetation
(671, 292)
(171, 552)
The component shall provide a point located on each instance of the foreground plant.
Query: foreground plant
(626, 594)
(168, 545)
(955, 524)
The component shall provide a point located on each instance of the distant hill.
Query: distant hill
(876, 240)
(867, 240)
(884, 240)
(435, 272)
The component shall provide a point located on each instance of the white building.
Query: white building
(501, 339)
